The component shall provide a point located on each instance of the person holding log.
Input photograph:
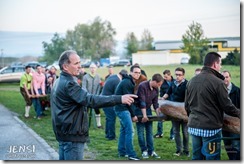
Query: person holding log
(168, 80)
(206, 101)
(232, 147)
(26, 89)
(148, 92)
(39, 90)
(177, 93)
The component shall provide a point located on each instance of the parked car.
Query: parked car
(11, 74)
(55, 64)
(184, 60)
(87, 64)
(123, 62)
(33, 64)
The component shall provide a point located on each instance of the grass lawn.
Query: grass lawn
(101, 148)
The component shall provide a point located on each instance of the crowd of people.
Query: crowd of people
(132, 97)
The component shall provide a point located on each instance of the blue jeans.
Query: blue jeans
(183, 125)
(71, 150)
(110, 123)
(232, 146)
(37, 104)
(145, 145)
(208, 148)
(125, 144)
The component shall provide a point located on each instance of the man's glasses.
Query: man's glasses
(178, 75)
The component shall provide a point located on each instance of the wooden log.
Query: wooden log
(231, 124)
(176, 110)
(155, 118)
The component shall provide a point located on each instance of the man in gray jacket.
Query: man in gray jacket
(69, 104)
(91, 83)
(206, 101)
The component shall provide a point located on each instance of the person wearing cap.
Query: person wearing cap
(109, 89)
(69, 104)
(91, 83)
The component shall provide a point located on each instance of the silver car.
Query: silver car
(11, 74)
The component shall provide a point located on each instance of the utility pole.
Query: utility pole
(2, 58)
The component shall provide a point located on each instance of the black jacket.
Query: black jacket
(164, 87)
(126, 86)
(177, 93)
(235, 95)
(69, 113)
(207, 99)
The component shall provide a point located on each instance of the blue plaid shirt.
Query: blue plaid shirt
(203, 132)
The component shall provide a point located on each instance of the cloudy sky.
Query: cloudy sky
(165, 19)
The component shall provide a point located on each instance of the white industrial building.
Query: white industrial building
(169, 52)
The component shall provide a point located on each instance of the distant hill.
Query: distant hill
(19, 44)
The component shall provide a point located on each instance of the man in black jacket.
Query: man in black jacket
(168, 80)
(177, 93)
(206, 101)
(232, 147)
(126, 114)
(69, 104)
(109, 89)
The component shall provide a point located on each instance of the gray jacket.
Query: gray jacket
(91, 84)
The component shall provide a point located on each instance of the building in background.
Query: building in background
(169, 52)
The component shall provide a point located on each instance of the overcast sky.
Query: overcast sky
(165, 19)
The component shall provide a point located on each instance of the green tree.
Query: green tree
(53, 50)
(131, 44)
(94, 40)
(194, 43)
(146, 40)
(233, 58)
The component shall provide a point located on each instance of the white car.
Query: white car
(11, 74)
(184, 60)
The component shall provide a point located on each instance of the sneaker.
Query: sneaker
(158, 136)
(133, 158)
(154, 155)
(39, 117)
(123, 156)
(186, 153)
(177, 153)
(145, 154)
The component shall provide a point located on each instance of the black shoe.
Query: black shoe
(43, 114)
(186, 153)
(133, 158)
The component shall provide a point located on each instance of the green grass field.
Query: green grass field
(101, 148)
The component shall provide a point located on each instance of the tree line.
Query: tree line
(96, 40)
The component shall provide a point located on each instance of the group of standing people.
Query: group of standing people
(205, 95)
